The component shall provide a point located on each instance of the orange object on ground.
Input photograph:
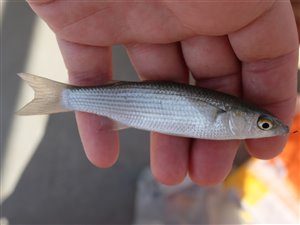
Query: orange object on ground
(290, 156)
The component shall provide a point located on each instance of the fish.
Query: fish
(161, 106)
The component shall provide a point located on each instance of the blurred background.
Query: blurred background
(45, 176)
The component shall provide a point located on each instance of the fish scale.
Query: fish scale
(161, 110)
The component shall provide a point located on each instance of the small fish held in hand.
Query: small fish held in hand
(161, 106)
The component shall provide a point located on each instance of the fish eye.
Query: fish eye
(264, 123)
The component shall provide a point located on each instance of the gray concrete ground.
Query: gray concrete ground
(59, 186)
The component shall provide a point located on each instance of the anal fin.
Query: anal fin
(118, 126)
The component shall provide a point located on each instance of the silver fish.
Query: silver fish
(161, 106)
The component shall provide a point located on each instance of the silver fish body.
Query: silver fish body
(171, 108)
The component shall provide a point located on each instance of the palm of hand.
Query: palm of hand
(166, 41)
(106, 23)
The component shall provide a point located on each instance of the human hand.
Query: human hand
(296, 9)
(247, 49)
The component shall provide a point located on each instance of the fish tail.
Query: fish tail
(47, 96)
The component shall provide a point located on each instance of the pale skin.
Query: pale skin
(248, 49)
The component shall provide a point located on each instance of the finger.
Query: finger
(88, 65)
(169, 154)
(269, 69)
(158, 61)
(211, 161)
(214, 65)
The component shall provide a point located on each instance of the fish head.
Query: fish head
(256, 124)
(267, 125)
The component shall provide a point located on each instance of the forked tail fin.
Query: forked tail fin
(47, 96)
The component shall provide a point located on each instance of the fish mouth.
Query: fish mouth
(285, 130)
